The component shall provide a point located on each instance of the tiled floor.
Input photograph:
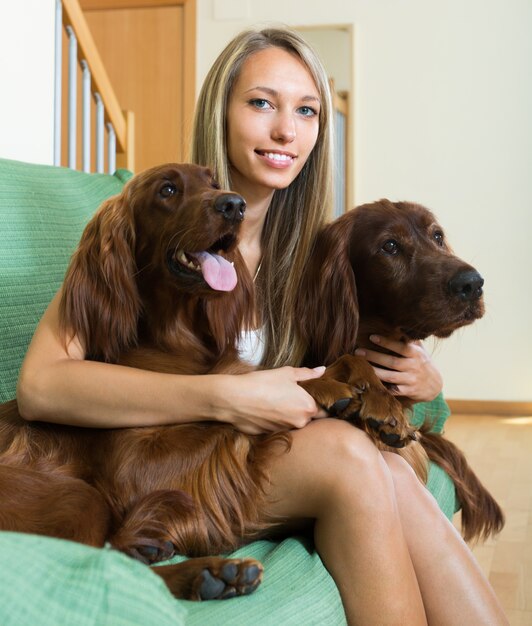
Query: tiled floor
(500, 451)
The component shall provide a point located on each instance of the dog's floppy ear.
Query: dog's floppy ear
(328, 306)
(100, 302)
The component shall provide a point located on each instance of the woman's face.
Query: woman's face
(272, 122)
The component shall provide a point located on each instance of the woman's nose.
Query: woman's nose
(284, 129)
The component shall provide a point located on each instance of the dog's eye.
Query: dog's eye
(438, 237)
(167, 190)
(215, 185)
(391, 247)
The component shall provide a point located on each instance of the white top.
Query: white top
(251, 345)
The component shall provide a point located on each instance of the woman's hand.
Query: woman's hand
(269, 400)
(410, 368)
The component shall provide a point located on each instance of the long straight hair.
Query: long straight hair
(295, 213)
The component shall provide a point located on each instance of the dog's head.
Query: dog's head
(164, 247)
(406, 273)
(387, 268)
(184, 222)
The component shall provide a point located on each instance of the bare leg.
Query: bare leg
(335, 475)
(454, 589)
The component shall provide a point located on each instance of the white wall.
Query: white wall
(443, 117)
(26, 80)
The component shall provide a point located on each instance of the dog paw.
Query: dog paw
(383, 418)
(235, 577)
(391, 438)
(339, 407)
(152, 552)
(376, 412)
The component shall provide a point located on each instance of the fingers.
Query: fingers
(272, 400)
(306, 373)
(407, 357)
(399, 347)
(409, 369)
(390, 361)
(392, 376)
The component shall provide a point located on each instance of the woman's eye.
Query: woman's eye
(167, 190)
(307, 111)
(260, 103)
(391, 247)
(438, 237)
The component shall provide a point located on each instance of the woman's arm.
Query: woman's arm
(57, 384)
(411, 369)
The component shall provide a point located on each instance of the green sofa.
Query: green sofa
(45, 581)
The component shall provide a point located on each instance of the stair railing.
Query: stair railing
(83, 54)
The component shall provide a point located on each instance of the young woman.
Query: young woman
(263, 124)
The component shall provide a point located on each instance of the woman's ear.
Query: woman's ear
(100, 303)
(328, 308)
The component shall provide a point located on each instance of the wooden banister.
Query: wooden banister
(122, 122)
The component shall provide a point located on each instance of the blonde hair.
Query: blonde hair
(295, 213)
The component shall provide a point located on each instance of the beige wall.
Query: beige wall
(443, 108)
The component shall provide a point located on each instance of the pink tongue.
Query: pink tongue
(217, 271)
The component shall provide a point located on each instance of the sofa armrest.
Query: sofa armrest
(43, 210)
(433, 414)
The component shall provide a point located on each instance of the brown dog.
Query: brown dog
(386, 268)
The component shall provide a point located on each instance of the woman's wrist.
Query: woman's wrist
(213, 394)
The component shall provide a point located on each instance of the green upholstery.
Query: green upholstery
(434, 413)
(52, 582)
(42, 213)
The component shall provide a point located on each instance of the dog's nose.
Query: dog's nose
(231, 206)
(467, 285)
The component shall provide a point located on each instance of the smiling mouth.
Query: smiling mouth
(209, 265)
(278, 157)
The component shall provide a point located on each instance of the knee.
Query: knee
(400, 469)
(405, 479)
(414, 499)
(340, 444)
(331, 468)
(346, 460)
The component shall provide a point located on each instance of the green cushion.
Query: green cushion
(51, 582)
(45, 581)
(433, 413)
(43, 210)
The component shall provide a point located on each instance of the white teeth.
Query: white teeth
(186, 261)
(277, 157)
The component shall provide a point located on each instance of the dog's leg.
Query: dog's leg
(160, 525)
(211, 578)
(350, 390)
(52, 504)
(155, 527)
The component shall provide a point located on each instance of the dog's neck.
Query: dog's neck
(204, 324)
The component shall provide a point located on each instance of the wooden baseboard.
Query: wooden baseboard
(490, 407)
